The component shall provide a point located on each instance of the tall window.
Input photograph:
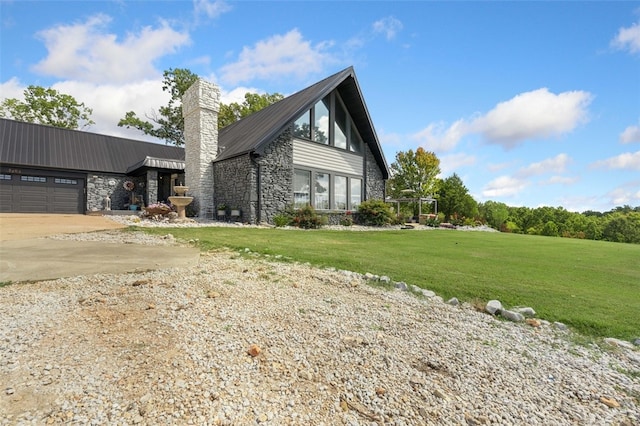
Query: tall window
(321, 121)
(340, 127)
(301, 188)
(356, 192)
(322, 191)
(340, 192)
(329, 123)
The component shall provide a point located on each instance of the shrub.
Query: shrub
(307, 218)
(375, 213)
(281, 220)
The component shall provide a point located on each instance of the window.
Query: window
(340, 127)
(321, 121)
(355, 143)
(356, 192)
(5, 177)
(302, 126)
(328, 192)
(33, 179)
(321, 191)
(332, 125)
(340, 192)
(301, 185)
(66, 181)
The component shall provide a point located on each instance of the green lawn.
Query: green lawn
(593, 286)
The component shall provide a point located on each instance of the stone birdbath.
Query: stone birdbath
(180, 200)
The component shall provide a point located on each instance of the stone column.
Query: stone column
(200, 107)
(152, 186)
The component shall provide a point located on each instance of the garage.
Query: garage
(40, 192)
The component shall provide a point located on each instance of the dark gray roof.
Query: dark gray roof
(252, 133)
(39, 146)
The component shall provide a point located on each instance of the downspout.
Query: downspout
(253, 157)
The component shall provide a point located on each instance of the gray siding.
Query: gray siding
(318, 156)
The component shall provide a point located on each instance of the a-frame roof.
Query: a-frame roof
(41, 146)
(254, 132)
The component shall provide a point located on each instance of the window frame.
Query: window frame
(331, 187)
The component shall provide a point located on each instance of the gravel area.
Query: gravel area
(242, 339)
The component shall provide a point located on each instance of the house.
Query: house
(317, 146)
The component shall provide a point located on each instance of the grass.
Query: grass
(592, 286)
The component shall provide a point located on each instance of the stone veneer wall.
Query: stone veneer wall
(152, 187)
(276, 176)
(200, 106)
(233, 180)
(374, 182)
(101, 186)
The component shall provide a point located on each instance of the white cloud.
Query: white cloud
(436, 137)
(288, 55)
(452, 162)
(210, 9)
(628, 161)
(630, 134)
(561, 180)
(87, 52)
(529, 115)
(388, 26)
(628, 39)
(503, 186)
(12, 88)
(556, 164)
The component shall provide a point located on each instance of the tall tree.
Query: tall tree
(167, 123)
(494, 212)
(47, 106)
(253, 102)
(454, 199)
(413, 174)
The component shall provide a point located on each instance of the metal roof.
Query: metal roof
(41, 146)
(254, 132)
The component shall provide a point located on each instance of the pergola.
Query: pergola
(418, 200)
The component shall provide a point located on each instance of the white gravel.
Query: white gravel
(171, 347)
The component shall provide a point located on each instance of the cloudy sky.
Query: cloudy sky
(534, 103)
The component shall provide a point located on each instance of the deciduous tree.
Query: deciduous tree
(48, 106)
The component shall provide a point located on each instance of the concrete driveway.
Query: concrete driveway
(25, 255)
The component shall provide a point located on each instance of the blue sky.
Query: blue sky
(530, 103)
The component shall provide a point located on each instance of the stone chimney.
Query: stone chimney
(200, 107)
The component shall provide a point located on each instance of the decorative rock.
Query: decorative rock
(512, 316)
(493, 306)
(254, 350)
(453, 301)
(428, 293)
(213, 295)
(609, 402)
(526, 311)
(637, 342)
(533, 322)
(9, 391)
(380, 391)
(621, 343)
(401, 286)
(560, 326)
(385, 279)
(368, 276)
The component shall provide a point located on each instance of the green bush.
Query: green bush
(307, 218)
(375, 213)
(281, 220)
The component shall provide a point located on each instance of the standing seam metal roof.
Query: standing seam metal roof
(41, 146)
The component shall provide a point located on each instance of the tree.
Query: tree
(494, 212)
(168, 123)
(47, 106)
(253, 102)
(414, 174)
(454, 199)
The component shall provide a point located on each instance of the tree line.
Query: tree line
(415, 175)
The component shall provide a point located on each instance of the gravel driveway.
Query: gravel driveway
(240, 340)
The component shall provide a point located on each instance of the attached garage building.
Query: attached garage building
(46, 169)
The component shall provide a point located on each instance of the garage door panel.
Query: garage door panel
(36, 194)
